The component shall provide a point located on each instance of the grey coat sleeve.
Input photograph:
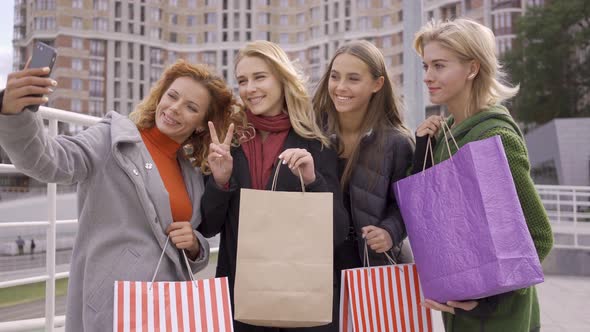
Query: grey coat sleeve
(61, 159)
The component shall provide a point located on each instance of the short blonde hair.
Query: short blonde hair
(297, 100)
(471, 41)
(221, 110)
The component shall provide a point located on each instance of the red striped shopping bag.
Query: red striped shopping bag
(383, 298)
(172, 306)
(201, 305)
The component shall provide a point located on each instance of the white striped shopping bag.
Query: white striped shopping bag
(383, 298)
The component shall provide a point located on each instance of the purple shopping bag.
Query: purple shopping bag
(466, 226)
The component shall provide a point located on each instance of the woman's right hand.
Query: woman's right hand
(21, 86)
(430, 126)
(220, 160)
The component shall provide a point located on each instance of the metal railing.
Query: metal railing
(568, 208)
(50, 321)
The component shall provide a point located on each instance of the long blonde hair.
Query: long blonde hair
(221, 110)
(384, 110)
(297, 100)
(471, 41)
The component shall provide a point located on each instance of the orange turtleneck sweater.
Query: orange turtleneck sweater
(163, 151)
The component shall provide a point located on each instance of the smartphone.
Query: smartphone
(43, 56)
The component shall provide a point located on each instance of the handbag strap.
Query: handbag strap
(188, 267)
(366, 262)
(276, 177)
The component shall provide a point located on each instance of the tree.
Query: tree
(550, 59)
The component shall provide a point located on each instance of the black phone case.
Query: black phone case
(43, 56)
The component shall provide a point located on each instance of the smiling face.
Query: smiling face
(182, 109)
(447, 77)
(259, 88)
(351, 84)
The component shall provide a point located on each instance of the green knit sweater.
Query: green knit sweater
(518, 310)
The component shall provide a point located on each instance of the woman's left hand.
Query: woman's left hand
(450, 306)
(377, 238)
(182, 235)
(302, 159)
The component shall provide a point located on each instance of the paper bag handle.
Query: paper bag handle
(276, 177)
(190, 272)
(366, 262)
(446, 129)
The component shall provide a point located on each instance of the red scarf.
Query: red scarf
(262, 155)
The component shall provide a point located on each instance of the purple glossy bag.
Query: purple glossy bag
(466, 226)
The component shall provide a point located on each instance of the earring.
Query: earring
(199, 130)
(471, 76)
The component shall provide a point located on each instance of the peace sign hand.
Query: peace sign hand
(219, 158)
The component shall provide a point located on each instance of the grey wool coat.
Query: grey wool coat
(123, 208)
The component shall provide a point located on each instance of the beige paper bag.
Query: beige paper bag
(284, 261)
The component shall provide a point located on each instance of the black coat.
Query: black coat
(221, 208)
(372, 200)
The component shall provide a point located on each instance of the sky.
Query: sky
(6, 7)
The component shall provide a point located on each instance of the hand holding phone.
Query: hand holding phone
(25, 89)
(43, 56)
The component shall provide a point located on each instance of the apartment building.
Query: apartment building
(110, 52)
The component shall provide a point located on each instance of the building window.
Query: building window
(192, 3)
(363, 22)
(76, 84)
(300, 19)
(76, 105)
(96, 68)
(173, 37)
(300, 37)
(77, 23)
(284, 19)
(130, 70)
(100, 24)
(263, 35)
(77, 43)
(315, 13)
(263, 18)
(210, 36)
(77, 64)
(191, 20)
(191, 39)
(211, 18)
(130, 90)
(156, 56)
(210, 58)
(76, 3)
(284, 38)
(96, 48)
(117, 89)
(173, 19)
(100, 5)
(96, 88)
(117, 69)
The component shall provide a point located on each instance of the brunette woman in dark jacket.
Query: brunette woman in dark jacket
(357, 101)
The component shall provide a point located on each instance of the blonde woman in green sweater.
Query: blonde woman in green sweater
(462, 72)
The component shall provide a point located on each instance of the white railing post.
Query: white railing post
(51, 245)
(558, 207)
(575, 211)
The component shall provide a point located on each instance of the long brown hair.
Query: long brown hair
(221, 110)
(384, 110)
